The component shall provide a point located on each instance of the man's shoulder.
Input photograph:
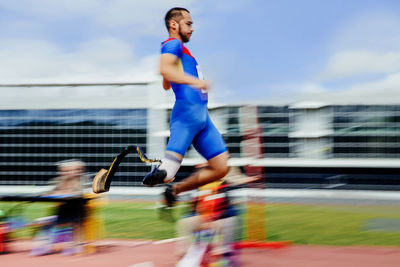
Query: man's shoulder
(171, 41)
(172, 46)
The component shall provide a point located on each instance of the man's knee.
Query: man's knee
(219, 165)
(221, 171)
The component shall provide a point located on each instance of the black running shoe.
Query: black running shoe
(154, 177)
(169, 196)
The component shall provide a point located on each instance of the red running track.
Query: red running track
(119, 253)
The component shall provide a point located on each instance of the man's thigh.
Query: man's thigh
(180, 138)
(209, 142)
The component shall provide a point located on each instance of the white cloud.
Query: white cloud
(29, 52)
(115, 13)
(364, 63)
(107, 59)
(388, 84)
(48, 10)
(367, 44)
(227, 6)
(383, 91)
(377, 30)
(311, 88)
(346, 64)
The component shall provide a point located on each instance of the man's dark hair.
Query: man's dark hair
(175, 14)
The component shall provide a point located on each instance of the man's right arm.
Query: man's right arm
(170, 71)
(166, 84)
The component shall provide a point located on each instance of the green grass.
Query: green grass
(330, 224)
(303, 224)
(139, 220)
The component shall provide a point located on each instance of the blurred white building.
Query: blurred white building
(309, 141)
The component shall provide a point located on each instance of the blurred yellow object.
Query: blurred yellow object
(93, 226)
(256, 221)
(211, 186)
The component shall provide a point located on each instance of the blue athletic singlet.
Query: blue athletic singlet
(190, 122)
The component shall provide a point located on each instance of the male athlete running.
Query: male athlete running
(190, 122)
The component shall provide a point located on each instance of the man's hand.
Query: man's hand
(201, 84)
(166, 84)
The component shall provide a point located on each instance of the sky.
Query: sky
(252, 51)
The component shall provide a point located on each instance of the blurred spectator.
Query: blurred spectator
(212, 208)
(67, 227)
(71, 179)
(70, 183)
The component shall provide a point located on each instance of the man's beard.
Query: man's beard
(184, 38)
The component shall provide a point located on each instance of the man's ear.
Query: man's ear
(173, 24)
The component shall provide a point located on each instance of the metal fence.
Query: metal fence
(32, 141)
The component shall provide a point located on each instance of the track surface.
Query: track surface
(119, 253)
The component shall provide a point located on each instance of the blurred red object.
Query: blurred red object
(3, 238)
